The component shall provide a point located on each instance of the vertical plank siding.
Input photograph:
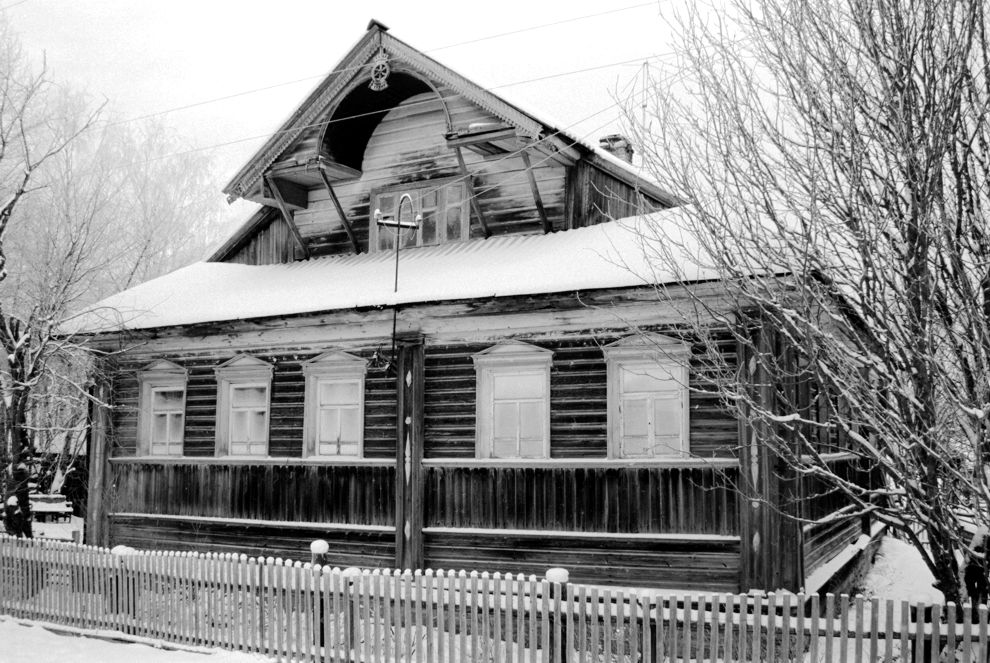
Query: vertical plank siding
(348, 494)
(301, 612)
(626, 500)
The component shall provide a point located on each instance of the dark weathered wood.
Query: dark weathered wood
(409, 454)
(537, 199)
(469, 186)
(355, 547)
(98, 452)
(350, 494)
(340, 212)
(708, 564)
(648, 500)
(287, 214)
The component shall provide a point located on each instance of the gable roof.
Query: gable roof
(355, 65)
(607, 255)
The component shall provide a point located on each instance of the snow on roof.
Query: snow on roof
(608, 255)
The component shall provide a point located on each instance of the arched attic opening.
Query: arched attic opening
(348, 130)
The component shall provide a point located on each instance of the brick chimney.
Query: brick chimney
(617, 145)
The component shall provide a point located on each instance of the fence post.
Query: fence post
(558, 578)
(349, 576)
(318, 550)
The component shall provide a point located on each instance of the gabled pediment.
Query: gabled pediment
(164, 366)
(512, 351)
(646, 343)
(334, 360)
(243, 364)
(296, 153)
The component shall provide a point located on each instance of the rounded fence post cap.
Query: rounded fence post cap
(319, 547)
(557, 574)
(122, 550)
(351, 571)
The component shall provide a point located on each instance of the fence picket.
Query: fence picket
(984, 653)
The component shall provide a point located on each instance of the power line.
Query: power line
(245, 139)
(342, 70)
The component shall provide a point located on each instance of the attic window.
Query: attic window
(442, 205)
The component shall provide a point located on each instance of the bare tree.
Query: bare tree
(834, 158)
(90, 208)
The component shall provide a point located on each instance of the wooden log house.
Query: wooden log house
(506, 394)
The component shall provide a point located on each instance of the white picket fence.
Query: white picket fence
(299, 612)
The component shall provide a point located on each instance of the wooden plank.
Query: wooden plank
(340, 212)
(537, 199)
(287, 215)
(472, 194)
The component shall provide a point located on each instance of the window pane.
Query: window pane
(531, 421)
(349, 425)
(526, 385)
(167, 400)
(385, 237)
(386, 204)
(329, 425)
(667, 417)
(504, 448)
(175, 428)
(339, 393)
(428, 228)
(531, 448)
(635, 417)
(646, 378)
(636, 447)
(259, 431)
(159, 429)
(239, 448)
(247, 396)
(428, 201)
(238, 427)
(454, 214)
(506, 420)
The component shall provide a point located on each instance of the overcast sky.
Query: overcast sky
(148, 56)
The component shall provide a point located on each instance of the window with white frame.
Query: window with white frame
(334, 405)
(513, 401)
(243, 406)
(441, 204)
(647, 397)
(161, 418)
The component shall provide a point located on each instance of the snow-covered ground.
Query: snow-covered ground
(22, 642)
(61, 530)
(899, 573)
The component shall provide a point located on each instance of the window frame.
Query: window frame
(442, 185)
(331, 366)
(161, 375)
(243, 371)
(648, 351)
(513, 358)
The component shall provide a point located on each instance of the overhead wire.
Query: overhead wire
(342, 70)
(429, 100)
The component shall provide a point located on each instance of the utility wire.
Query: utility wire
(430, 100)
(342, 70)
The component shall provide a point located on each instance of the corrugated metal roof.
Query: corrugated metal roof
(608, 255)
